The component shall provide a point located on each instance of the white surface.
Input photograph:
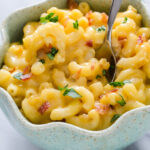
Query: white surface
(9, 138)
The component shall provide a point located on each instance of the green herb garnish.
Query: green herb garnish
(43, 20)
(104, 72)
(115, 84)
(64, 88)
(76, 24)
(54, 19)
(46, 18)
(17, 75)
(98, 76)
(115, 117)
(52, 54)
(70, 92)
(122, 101)
(42, 61)
(102, 28)
(125, 20)
(49, 18)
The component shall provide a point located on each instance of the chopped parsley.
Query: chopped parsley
(17, 75)
(42, 61)
(122, 101)
(64, 88)
(49, 18)
(76, 24)
(52, 54)
(115, 117)
(98, 76)
(70, 92)
(125, 20)
(104, 72)
(43, 20)
(50, 15)
(54, 19)
(115, 84)
(102, 28)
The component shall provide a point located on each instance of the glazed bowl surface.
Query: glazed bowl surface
(62, 136)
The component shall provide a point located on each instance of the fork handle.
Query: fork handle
(112, 15)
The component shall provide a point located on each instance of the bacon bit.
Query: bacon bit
(40, 54)
(89, 43)
(44, 107)
(102, 109)
(112, 91)
(77, 75)
(72, 4)
(90, 22)
(92, 67)
(101, 96)
(141, 39)
(12, 70)
(26, 76)
(48, 49)
(88, 16)
(104, 18)
(122, 41)
(50, 46)
(27, 70)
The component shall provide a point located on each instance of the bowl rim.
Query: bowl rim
(34, 127)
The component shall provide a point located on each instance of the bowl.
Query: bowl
(62, 136)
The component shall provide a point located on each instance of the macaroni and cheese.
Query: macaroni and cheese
(54, 75)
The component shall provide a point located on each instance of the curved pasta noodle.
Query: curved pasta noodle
(87, 97)
(64, 112)
(130, 73)
(5, 77)
(91, 121)
(90, 69)
(30, 28)
(128, 49)
(15, 57)
(137, 61)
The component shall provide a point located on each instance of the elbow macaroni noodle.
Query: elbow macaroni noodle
(54, 75)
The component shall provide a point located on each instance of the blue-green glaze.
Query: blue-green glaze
(63, 136)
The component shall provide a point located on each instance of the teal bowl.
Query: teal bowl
(62, 136)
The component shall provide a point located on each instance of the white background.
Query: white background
(9, 138)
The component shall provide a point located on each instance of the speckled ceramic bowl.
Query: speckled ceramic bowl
(62, 136)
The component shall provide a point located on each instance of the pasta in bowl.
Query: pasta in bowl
(54, 75)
